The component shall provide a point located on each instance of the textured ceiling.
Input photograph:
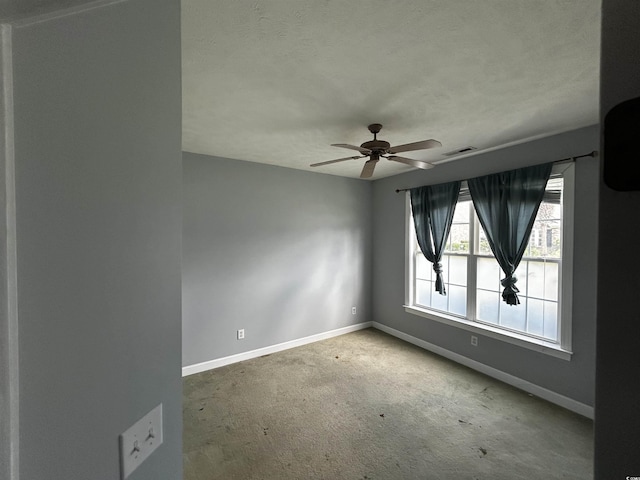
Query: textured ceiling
(278, 81)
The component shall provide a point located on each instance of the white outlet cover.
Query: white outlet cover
(139, 441)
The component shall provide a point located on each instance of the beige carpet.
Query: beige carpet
(369, 406)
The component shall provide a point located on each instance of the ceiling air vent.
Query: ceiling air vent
(462, 150)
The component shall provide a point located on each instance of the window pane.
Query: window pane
(551, 281)
(461, 214)
(487, 306)
(545, 239)
(458, 270)
(423, 292)
(445, 269)
(521, 275)
(535, 317)
(439, 301)
(551, 320)
(553, 239)
(423, 267)
(536, 279)
(513, 316)
(457, 300)
(484, 247)
(458, 238)
(488, 274)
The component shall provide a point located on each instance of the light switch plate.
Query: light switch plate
(137, 443)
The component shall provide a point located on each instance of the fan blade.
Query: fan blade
(335, 161)
(408, 147)
(411, 161)
(364, 151)
(368, 168)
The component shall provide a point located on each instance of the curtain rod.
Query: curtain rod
(562, 160)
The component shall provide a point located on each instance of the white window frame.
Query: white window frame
(561, 348)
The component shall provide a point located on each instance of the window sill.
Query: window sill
(541, 346)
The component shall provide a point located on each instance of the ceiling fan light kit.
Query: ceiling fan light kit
(374, 149)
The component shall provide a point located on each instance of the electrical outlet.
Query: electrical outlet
(474, 340)
(241, 334)
(137, 443)
(353, 310)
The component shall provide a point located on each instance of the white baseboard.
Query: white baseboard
(221, 362)
(529, 387)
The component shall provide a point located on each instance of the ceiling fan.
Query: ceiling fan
(374, 149)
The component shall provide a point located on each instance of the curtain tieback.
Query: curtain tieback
(510, 282)
(437, 267)
(509, 294)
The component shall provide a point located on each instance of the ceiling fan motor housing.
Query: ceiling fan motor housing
(375, 145)
(379, 146)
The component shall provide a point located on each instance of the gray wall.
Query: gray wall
(14, 9)
(8, 360)
(617, 439)
(281, 253)
(575, 378)
(97, 142)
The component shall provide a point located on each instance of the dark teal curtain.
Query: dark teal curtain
(433, 207)
(507, 204)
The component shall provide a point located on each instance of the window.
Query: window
(472, 275)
